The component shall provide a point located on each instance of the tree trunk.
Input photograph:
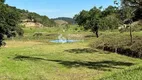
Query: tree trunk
(97, 33)
(131, 37)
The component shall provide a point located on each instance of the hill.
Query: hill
(33, 17)
(67, 19)
(61, 22)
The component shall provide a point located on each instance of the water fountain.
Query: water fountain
(62, 39)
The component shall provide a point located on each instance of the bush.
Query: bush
(137, 28)
(37, 34)
(120, 43)
(9, 19)
(109, 23)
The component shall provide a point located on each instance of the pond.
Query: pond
(64, 41)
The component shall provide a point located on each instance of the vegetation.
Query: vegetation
(32, 16)
(61, 22)
(34, 57)
(97, 19)
(120, 43)
(69, 20)
(110, 18)
(38, 58)
(9, 19)
(135, 5)
(2, 1)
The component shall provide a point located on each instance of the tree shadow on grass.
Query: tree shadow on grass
(20, 57)
(100, 65)
(84, 50)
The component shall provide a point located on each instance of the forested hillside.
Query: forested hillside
(69, 20)
(44, 20)
(34, 17)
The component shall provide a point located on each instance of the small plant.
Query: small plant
(37, 34)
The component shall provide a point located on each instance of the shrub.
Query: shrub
(120, 43)
(38, 34)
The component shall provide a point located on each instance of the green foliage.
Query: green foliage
(120, 43)
(50, 61)
(2, 1)
(24, 14)
(136, 6)
(9, 19)
(95, 19)
(111, 17)
(109, 22)
(69, 20)
(82, 17)
(126, 12)
(129, 74)
(132, 3)
(110, 10)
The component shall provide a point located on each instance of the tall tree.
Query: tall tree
(89, 19)
(132, 3)
(136, 5)
(82, 17)
(110, 10)
(136, 14)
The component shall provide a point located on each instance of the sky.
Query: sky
(58, 8)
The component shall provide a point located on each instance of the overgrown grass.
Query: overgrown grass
(32, 58)
(129, 74)
(121, 43)
(51, 33)
(72, 61)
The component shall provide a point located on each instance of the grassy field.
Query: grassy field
(38, 59)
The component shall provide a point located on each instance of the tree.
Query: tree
(135, 14)
(2, 1)
(82, 17)
(110, 10)
(136, 5)
(9, 19)
(110, 22)
(132, 3)
(89, 19)
(95, 16)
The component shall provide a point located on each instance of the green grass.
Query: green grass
(72, 61)
(133, 73)
(32, 59)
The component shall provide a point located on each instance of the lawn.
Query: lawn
(43, 60)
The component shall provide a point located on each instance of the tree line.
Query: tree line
(9, 19)
(111, 17)
(44, 20)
